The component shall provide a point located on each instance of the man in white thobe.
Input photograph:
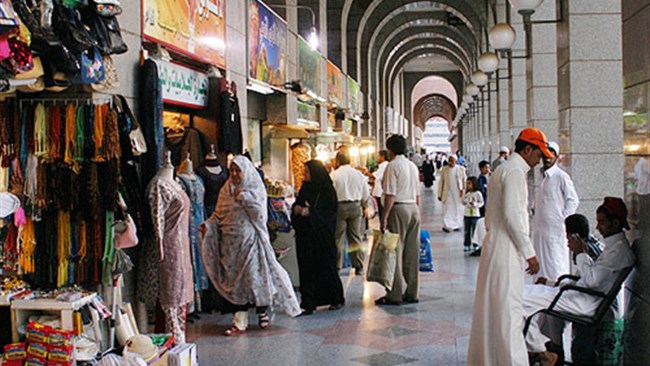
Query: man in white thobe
(504, 152)
(554, 202)
(598, 275)
(450, 192)
(496, 336)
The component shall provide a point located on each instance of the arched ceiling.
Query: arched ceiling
(379, 37)
(433, 105)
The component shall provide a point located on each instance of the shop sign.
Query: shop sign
(353, 95)
(267, 45)
(183, 86)
(335, 83)
(196, 28)
(307, 113)
(310, 69)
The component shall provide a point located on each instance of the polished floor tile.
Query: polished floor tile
(434, 331)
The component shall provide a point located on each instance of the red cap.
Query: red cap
(537, 138)
(616, 207)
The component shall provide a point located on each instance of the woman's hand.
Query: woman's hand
(238, 193)
(297, 210)
(203, 228)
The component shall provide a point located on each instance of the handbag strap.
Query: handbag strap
(123, 106)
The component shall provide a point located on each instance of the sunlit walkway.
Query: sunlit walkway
(433, 332)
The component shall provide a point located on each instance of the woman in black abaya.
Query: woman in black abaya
(313, 217)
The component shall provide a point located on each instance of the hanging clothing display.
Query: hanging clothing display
(151, 118)
(230, 134)
(67, 153)
(193, 186)
(180, 144)
(214, 176)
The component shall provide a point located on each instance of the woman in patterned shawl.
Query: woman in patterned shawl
(238, 254)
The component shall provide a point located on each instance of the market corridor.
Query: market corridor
(433, 332)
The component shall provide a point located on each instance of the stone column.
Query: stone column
(541, 73)
(517, 82)
(590, 100)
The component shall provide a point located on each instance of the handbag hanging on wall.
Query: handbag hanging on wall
(102, 20)
(92, 68)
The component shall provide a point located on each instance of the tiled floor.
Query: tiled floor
(432, 332)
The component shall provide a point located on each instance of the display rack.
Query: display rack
(22, 309)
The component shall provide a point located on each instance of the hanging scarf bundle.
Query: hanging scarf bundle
(11, 250)
(6, 129)
(54, 140)
(81, 254)
(112, 135)
(63, 248)
(41, 147)
(70, 137)
(28, 247)
(31, 178)
(99, 123)
(98, 250)
(41, 186)
(79, 143)
(109, 248)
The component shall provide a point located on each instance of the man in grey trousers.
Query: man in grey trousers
(402, 216)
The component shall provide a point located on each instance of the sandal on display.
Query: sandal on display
(232, 331)
(263, 320)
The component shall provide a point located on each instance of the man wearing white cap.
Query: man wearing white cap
(503, 157)
(450, 192)
(555, 200)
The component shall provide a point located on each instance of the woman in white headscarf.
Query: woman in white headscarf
(237, 251)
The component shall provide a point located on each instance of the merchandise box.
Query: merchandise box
(183, 355)
(162, 359)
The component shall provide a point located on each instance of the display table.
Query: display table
(22, 309)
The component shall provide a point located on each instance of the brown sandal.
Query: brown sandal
(232, 331)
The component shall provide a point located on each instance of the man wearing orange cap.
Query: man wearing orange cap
(598, 275)
(496, 336)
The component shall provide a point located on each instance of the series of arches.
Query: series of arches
(378, 38)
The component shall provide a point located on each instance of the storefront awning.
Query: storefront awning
(289, 132)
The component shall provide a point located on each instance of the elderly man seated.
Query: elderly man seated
(597, 274)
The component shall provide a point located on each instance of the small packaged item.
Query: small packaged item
(60, 354)
(12, 363)
(38, 333)
(52, 363)
(15, 352)
(37, 350)
(35, 361)
(60, 338)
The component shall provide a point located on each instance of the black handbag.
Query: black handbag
(71, 30)
(107, 30)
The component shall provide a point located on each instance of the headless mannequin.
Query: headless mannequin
(167, 170)
(187, 168)
(211, 163)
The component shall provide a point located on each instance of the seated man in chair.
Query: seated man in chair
(597, 274)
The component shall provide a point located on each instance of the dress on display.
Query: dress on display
(212, 183)
(189, 141)
(193, 186)
(230, 134)
(170, 212)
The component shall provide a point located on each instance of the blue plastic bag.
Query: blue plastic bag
(426, 259)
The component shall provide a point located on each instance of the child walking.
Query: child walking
(473, 201)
